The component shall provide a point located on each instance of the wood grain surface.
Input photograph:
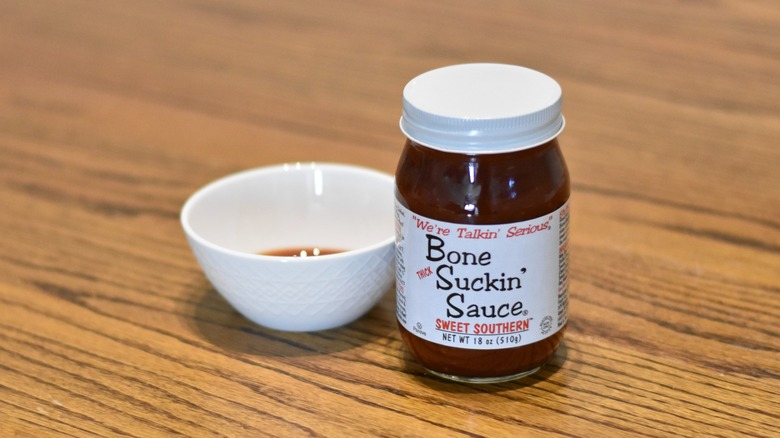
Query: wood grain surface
(112, 113)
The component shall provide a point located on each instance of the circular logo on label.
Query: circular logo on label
(547, 323)
(419, 326)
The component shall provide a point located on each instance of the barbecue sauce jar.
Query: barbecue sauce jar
(481, 224)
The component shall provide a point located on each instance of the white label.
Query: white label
(482, 286)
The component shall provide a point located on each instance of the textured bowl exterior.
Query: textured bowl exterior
(300, 295)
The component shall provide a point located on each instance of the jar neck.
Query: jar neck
(482, 188)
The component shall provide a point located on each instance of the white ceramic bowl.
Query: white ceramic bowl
(334, 206)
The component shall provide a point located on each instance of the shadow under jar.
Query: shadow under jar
(482, 217)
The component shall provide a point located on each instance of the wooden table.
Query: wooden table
(113, 113)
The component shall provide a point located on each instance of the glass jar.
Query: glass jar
(482, 216)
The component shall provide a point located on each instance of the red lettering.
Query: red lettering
(502, 327)
(452, 326)
(423, 225)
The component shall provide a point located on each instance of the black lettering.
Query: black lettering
(454, 311)
(492, 284)
(443, 283)
(435, 252)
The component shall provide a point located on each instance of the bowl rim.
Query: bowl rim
(227, 179)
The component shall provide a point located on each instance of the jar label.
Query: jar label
(482, 287)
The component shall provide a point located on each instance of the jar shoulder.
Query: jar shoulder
(482, 188)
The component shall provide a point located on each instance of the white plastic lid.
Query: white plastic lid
(482, 108)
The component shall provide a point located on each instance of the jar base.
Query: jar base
(484, 380)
